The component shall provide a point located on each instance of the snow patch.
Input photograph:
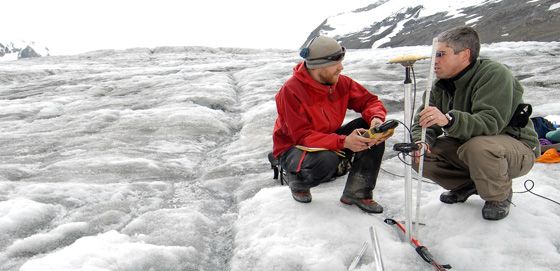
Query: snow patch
(9, 57)
(387, 38)
(473, 20)
(21, 216)
(113, 251)
(44, 242)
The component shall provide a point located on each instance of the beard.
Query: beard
(329, 79)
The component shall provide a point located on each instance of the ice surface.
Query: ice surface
(155, 159)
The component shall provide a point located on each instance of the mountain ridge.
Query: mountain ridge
(18, 50)
(417, 22)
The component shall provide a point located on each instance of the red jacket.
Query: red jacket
(309, 112)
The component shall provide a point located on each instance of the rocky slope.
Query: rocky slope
(394, 23)
(18, 50)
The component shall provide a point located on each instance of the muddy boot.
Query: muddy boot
(302, 196)
(458, 195)
(366, 205)
(358, 191)
(496, 210)
(300, 191)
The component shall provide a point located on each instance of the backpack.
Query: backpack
(277, 168)
(542, 126)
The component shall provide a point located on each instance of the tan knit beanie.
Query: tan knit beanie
(322, 52)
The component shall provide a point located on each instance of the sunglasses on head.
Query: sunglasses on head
(334, 57)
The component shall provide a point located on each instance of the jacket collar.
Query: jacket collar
(460, 79)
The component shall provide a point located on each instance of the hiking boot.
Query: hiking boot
(303, 196)
(459, 195)
(367, 205)
(496, 210)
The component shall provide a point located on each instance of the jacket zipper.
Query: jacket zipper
(326, 117)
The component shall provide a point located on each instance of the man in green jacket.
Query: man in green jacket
(477, 142)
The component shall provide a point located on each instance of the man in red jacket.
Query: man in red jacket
(311, 107)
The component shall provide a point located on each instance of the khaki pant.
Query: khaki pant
(491, 162)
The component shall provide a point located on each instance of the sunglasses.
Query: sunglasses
(443, 53)
(334, 57)
(440, 53)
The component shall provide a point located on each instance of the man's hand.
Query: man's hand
(384, 136)
(416, 155)
(356, 142)
(375, 122)
(432, 116)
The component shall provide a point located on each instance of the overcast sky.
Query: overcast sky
(68, 26)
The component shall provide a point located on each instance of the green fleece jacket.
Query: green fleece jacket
(482, 100)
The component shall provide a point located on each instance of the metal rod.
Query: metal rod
(408, 160)
(358, 257)
(376, 250)
(423, 138)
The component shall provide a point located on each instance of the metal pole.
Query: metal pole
(376, 249)
(423, 137)
(407, 62)
(408, 160)
(358, 257)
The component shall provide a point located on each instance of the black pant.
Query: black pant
(320, 167)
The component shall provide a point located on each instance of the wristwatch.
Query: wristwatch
(450, 118)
